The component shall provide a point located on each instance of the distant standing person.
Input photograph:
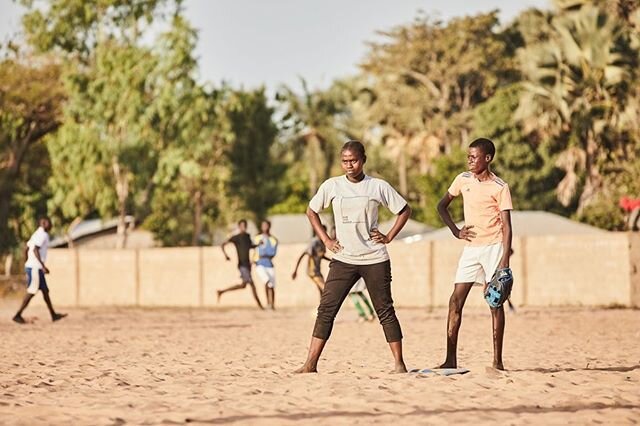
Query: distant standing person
(242, 242)
(266, 249)
(35, 268)
(316, 252)
(487, 232)
(359, 249)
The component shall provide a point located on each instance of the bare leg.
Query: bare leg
(270, 296)
(54, 316)
(47, 300)
(319, 282)
(498, 320)
(315, 350)
(456, 303)
(396, 350)
(255, 295)
(25, 302)
(232, 288)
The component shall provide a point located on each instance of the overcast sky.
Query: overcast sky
(254, 42)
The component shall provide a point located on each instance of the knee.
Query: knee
(455, 304)
(386, 314)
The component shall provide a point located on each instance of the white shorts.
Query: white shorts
(266, 275)
(478, 264)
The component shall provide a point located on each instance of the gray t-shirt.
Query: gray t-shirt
(355, 210)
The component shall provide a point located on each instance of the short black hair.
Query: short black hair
(41, 218)
(354, 146)
(241, 221)
(485, 145)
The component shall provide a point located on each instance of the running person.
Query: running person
(266, 247)
(35, 269)
(487, 230)
(316, 252)
(359, 249)
(242, 242)
(357, 295)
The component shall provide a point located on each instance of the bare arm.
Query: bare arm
(443, 210)
(295, 271)
(226, 256)
(505, 215)
(401, 220)
(316, 224)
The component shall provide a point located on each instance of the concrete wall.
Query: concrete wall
(549, 271)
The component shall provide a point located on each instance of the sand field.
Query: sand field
(115, 366)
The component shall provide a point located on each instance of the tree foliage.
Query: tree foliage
(106, 116)
(31, 99)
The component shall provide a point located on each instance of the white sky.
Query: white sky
(254, 42)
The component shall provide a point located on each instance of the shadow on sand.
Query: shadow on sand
(517, 409)
(620, 369)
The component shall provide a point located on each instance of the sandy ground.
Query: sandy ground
(171, 366)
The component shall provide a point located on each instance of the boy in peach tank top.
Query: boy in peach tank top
(487, 232)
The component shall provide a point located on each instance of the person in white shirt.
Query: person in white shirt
(35, 269)
(359, 249)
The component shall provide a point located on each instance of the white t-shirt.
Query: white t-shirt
(40, 239)
(355, 210)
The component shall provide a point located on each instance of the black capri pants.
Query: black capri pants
(342, 276)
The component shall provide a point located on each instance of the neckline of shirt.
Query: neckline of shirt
(366, 177)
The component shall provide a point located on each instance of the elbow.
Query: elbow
(311, 213)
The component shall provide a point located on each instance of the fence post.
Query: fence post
(524, 280)
(201, 275)
(137, 276)
(432, 275)
(76, 259)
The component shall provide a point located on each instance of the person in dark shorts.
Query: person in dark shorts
(35, 269)
(243, 244)
(316, 252)
(359, 249)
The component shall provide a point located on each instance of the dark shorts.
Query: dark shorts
(245, 274)
(36, 280)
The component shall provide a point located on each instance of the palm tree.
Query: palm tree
(312, 118)
(575, 87)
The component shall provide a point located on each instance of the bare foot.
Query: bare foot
(400, 368)
(498, 366)
(448, 364)
(304, 369)
(18, 318)
(58, 317)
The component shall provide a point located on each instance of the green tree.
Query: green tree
(254, 173)
(30, 108)
(310, 120)
(525, 165)
(576, 87)
(425, 79)
(193, 137)
(103, 153)
(77, 27)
